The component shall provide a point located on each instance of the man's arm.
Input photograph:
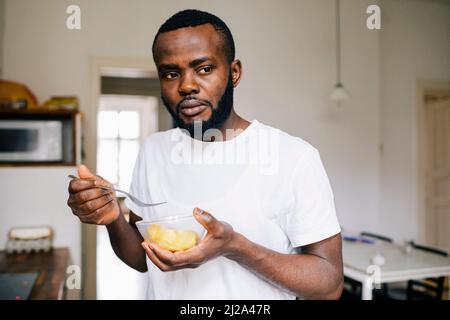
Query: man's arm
(315, 273)
(126, 241)
(95, 205)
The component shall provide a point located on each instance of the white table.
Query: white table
(399, 266)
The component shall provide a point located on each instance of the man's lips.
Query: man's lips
(192, 108)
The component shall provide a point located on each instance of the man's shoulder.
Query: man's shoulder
(287, 142)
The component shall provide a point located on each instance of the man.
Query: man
(272, 231)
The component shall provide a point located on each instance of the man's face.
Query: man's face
(195, 76)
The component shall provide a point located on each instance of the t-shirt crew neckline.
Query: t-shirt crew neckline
(252, 126)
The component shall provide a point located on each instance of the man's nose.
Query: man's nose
(188, 85)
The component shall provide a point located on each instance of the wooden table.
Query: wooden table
(399, 266)
(51, 267)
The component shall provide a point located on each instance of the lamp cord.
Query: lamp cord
(338, 42)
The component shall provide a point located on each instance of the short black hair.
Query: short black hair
(192, 18)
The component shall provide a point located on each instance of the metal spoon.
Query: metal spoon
(132, 198)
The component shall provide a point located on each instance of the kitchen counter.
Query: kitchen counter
(51, 269)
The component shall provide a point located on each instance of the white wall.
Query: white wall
(289, 57)
(2, 22)
(288, 54)
(415, 44)
(37, 197)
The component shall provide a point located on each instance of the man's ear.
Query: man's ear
(236, 72)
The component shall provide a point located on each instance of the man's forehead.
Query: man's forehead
(193, 42)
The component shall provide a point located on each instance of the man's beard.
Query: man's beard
(218, 116)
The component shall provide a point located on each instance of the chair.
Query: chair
(430, 288)
(376, 236)
(426, 289)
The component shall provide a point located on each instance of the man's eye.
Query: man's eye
(170, 75)
(205, 70)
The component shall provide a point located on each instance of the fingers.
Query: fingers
(177, 259)
(168, 261)
(90, 206)
(207, 220)
(167, 257)
(88, 195)
(84, 172)
(153, 258)
(101, 215)
(77, 185)
(87, 201)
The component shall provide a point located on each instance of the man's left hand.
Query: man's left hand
(219, 241)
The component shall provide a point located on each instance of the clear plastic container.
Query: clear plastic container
(174, 233)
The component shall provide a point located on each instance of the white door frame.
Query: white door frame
(89, 232)
(424, 87)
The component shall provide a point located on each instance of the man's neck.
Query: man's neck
(233, 126)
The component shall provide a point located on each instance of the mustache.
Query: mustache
(199, 101)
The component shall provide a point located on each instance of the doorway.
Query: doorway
(115, 83)
(434, 155)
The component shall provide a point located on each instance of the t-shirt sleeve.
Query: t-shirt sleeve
(312, 216)
(139, 185)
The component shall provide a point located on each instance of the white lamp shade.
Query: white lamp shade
(339, 93)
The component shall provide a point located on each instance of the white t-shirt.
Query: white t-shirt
(270, 186)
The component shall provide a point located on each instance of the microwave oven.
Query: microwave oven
(31, 140)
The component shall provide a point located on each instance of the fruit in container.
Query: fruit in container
(172, 239)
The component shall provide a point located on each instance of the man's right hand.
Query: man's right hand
(90, 203)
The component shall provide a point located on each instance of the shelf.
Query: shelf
(36, 164)
(38, 113)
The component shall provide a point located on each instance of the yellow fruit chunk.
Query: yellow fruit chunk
(172, 240)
